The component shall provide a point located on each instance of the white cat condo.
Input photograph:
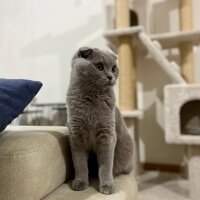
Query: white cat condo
(182, 100)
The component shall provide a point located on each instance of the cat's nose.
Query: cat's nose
(110, 77)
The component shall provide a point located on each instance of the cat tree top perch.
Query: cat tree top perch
(166, 40)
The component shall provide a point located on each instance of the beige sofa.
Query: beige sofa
(35, 163)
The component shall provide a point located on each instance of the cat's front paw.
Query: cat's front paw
(79, 184)
(107, 188)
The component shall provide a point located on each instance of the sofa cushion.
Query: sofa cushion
(33, 161)
(126, 189)
(15, 95)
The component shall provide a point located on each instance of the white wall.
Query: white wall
(38, 39)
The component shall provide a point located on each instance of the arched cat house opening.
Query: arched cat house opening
(190, 118)
(134, 20)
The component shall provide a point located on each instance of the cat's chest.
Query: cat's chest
(98, 115)
(97, 110)
(100, 103)
(91, 112)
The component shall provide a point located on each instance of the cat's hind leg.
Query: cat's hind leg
(123, 157)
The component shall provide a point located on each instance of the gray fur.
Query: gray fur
(95, 123)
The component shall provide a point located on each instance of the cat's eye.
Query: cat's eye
(100, 67)
(114, 69)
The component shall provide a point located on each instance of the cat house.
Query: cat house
(182, 114)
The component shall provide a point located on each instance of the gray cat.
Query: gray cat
(95, 123)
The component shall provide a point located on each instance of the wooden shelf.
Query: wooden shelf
(167, 40)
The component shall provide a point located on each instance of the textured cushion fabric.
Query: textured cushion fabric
(34, 161)
(126, 189)
(15, 95)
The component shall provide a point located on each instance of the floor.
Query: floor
(162, 186)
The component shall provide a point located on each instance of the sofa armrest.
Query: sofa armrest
(34, 160)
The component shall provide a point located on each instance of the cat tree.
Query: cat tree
(181, 98)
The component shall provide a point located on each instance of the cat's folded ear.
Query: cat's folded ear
(113, 55)
(85, 52)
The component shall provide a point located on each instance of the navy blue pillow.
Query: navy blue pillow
(15, 95)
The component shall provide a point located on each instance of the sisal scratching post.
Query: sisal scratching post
(127, 68)
(187, 62)
(186, 48)
(127, 78)
(127, 74)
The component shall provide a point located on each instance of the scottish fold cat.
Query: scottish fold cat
(95, 123)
